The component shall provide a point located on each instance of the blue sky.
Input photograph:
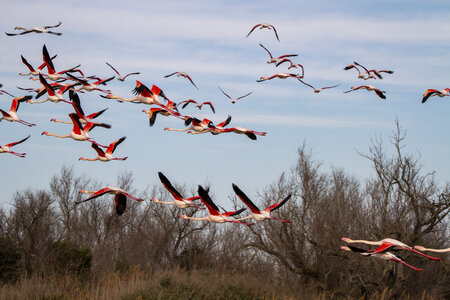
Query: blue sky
(207, 40)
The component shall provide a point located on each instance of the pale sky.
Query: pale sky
(206, 39)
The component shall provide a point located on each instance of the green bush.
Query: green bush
(69, 257)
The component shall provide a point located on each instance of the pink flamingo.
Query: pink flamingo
(78, 133)
(51, 94)
(233, 100)
(38, 29)
(143, 95)
(433, 92)
(153, 112)
(380, 93)
(120, 197)
(199, 105)
(318, 90)
(380, 255)
(178, 200)
(89, 87)
(361, 75)
(106, 156)
(30, 67)
(52, 74)
(11, 116)
(281, 76)
(122, 78)
(274, 60)
(386, 244)
(214, 215)
(262, 26)
(292, 65)
(6, 148)
(182, 74)
(256, 214)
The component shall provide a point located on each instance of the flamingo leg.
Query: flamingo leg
(418, 252)
(401, 261)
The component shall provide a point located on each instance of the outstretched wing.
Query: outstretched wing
(170, 187)
(18, 142)
(204, 196)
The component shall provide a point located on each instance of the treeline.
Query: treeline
(44, 234)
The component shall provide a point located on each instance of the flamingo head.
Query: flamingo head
(53, 120)
(346, 248)
(344, 239)
(419, 248)
(145, 111)
(44, 132)
(84, 191)
(167, 128)
(154, 199)
(182, 216)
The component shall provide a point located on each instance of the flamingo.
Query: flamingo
(143, 95)
(52, 95)
(106, 156)
(281, 76)
(52, 74)
(182, 74)
(318, 90)
(153, 112)
(89, 87)
(11, 116)
(233, 100)
(122, 78)
(256, 214)
(178, 200)
(38, 29)
(251, 134)
(6, 148)
(120, 197)
(199, 105)
(421, 248)
(30, 67)
(386, 244)
(274, 60)
(78, 133)
(210, 127)
(262, 26)
(380, 93)
(292, 65)
(361, 75)
(214, 215)
(433, 92)
(195, 125)
(375, 72)
(80, 113)
(381, 255)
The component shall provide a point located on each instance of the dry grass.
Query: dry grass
(137, 283)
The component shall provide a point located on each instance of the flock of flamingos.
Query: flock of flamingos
(56, 83)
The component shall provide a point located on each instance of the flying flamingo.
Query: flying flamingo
(30, 67)
(182, 74)
(380, 93)
(78, 133)
(6, 148)
(143, 95)
(195, 125)
(251, 134)
(233, 100)
(381, 255)
(106, 156)
(120, 197)
(281, 76)
(292, 65)
(375, 72)
(38, 29)
(214, 215)
(318, 90)
(274, 60)
(51, 94)
(361, 75)
(80, 113)
(153, 112)
(262, 26)
(386, 244)
(256, 214)
(199, 105)
(52, 74)
(420, 248)
(89, 87)
(433, 92)
(122, 78)
(210, 127)
(178, 200)
(11, 116)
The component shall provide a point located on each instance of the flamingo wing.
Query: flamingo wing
(48, 87)
(275, 31)
(48, 60)
(112, 147)
(210, 105)
(27, 64)
(132, 197)
(18, 142)
(171, 74)
(244, 95)
(98, 193)
(129, 74)
(187, 102)
(114, 69)
(380, 94)
(265, 49)
(188, 77)
(204, 196)
(225, 93)
(428, 94)
(278, 204)
(234, 213)
(254, 27)
(99, 150)
(121, 203)
(170, 187)
(245, 199)
(384, 247)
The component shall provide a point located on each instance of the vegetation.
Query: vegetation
(51, 248)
